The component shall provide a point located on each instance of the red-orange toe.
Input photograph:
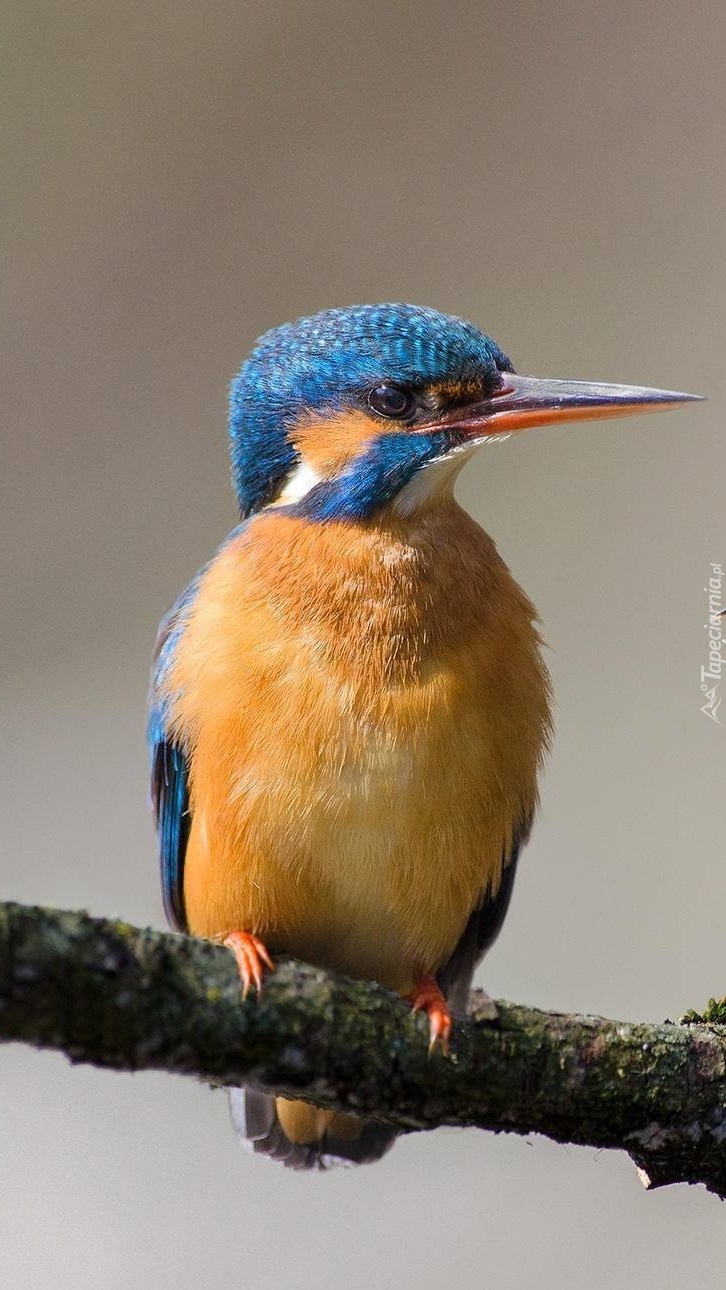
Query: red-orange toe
(252, 957)
(427, 997)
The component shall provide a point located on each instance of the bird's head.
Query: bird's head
(343, 413)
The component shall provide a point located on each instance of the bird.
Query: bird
(349, 706)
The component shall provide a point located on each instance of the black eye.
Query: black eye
(392, 401)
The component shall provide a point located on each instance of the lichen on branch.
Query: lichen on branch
(117, 996)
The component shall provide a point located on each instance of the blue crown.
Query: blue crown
(327, 361)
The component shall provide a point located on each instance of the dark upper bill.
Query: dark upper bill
(526, 401)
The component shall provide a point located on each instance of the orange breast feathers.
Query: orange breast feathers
(365, 711)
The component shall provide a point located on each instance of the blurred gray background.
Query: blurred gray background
(179, 177)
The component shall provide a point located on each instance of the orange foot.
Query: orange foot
(428, 998)
(252, 958)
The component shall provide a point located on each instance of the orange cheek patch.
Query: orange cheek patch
(329, 445)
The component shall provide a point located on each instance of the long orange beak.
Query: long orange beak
(524, 401)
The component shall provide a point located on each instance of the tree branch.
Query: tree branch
(117, 996)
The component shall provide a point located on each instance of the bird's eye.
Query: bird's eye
(392, 401)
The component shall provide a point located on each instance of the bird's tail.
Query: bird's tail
(301, 1135)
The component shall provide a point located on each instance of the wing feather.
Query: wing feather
(481, 931)
(169, 766)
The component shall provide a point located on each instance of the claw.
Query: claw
(252, 957)
(427, 997)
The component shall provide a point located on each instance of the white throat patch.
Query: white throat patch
(435, 481)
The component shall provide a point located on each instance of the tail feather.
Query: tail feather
(328, 1137)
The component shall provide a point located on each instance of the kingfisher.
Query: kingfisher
(349, 707)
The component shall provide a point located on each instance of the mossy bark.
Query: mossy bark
(117, 996)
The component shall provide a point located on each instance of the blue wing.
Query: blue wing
(169, 766)
(482, 929)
